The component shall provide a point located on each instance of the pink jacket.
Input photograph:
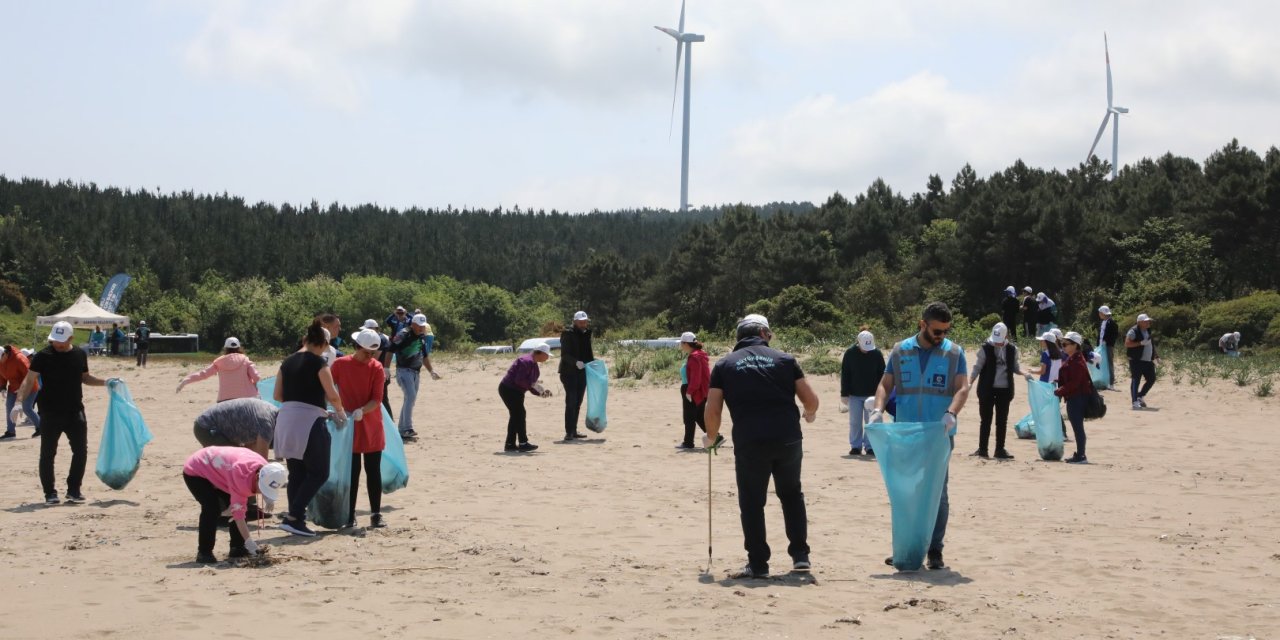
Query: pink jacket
(237, 377)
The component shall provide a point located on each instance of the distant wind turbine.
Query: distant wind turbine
(1111, 110)
(684, 44)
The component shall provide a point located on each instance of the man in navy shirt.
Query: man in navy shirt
(760, 385)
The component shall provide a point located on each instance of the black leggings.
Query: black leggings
(211, 500)
(514, 399)
(372, 473)
(693, 414)
(307, 475)
(1075, 415)
(386, 397)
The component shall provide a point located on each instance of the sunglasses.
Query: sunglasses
(938, 333)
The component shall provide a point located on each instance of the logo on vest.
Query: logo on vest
(938, 381)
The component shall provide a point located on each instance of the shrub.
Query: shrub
(1272, 336)
(1264, 389)
(821, 364)
(1251, 315)
(11, 297)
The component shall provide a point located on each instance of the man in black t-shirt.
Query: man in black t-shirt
(760, 385)
(62, 369)
(142, 343)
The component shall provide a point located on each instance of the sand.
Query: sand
(1172, 532)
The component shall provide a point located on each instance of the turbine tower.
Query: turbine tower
(684, 45)
(1111, 110)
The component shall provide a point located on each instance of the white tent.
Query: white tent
(84, 313)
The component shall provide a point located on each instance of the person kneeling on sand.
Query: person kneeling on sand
(522, 378)
(229, 475)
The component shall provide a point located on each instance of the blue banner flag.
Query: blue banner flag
(112, 293)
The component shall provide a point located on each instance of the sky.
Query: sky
(567, 104)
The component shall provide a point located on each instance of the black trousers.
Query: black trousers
(693, 414)
(1012, 324)
(211, 501)
(141, 352)
(754, 464)
(575, 388)
(372, 473)
(997, 400)
(1075, 414)
(1137, 369)
(386, 397)
(52, 427)
(516, 423)
(1111, 364)
(307, 475)
(1029, 326)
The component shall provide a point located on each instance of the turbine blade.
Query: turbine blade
(1107, 50)
(675, 90)
(671, 32)
(1099, 136)
(681, 16)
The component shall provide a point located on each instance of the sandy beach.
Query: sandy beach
(1172, 532)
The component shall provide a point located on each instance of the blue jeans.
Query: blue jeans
(754, 464)
(944, 509)
(408, 381)
(857, 421)
(28, 407)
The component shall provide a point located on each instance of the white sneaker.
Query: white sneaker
(1142, 402)
(801, 566)
(746, 572)
(1137, 406)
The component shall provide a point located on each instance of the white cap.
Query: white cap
(231, 343)
(420, 320)
(866, 341)
(371, 324)
(1056, 332)
(399, 308)
(1010, 290)
(580, 315)
(998, 333)
(1236, 335)
(1104, 310)
(754, 318)
(28, 352)
(543, 348)
(1075, 337)
(367, 338)
(327, 336)
(271, 477)
(1049, 337)
(1142, 317)
(1040, 296)
(61, 332)
(1026, 289)
(142, 322)
(688, 336)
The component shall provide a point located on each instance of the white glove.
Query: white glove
(689, 397)
(869, 405)
(1146, 342)
(386, 375)
(267, 507)
(876, 416)
(357, 414)
(539, 389)
(339, 417)
(844, 405)
(114, 382)
(582, 365)
(15, 416)
(251, 546)
(949, 420)
(435, 376)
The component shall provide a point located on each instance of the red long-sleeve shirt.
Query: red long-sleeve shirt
(1073, 378)
(699, 371)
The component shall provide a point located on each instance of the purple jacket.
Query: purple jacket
(523, 374)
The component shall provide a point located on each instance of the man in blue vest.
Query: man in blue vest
(928, 374)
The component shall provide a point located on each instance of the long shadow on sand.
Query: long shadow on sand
(943, 578)
(782, 580)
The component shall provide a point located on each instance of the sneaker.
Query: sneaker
(685, 445)
(934, 561)
(527, 447)
(870, 453)
(36, 434)
(746, 572)
(8, 435)
(801, 566)
(297, 528)
(578, 435)
(1077, 459)
(1137, 405)
(51, 498)
(205, 558)
(1142, 401)
(981, 453)
(74, 497)
(351, 524)
(855, 451)
(376, 522)
(237, 552)
(510, 447)
(1001, 454)
(409, 435)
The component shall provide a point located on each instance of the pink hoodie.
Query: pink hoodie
(237, 377)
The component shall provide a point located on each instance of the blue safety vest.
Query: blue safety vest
(924, 397)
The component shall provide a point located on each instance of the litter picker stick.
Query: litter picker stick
(708, 513)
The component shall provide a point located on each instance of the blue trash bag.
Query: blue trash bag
(267, 389)
(1098, 372)
(395, 468)
(597, 395)
(913, 459)
(1048, 420)
(1026, 428)
(331, 507)
(124, 435)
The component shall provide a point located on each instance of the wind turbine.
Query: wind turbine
(1111, 110)
(684, 44)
